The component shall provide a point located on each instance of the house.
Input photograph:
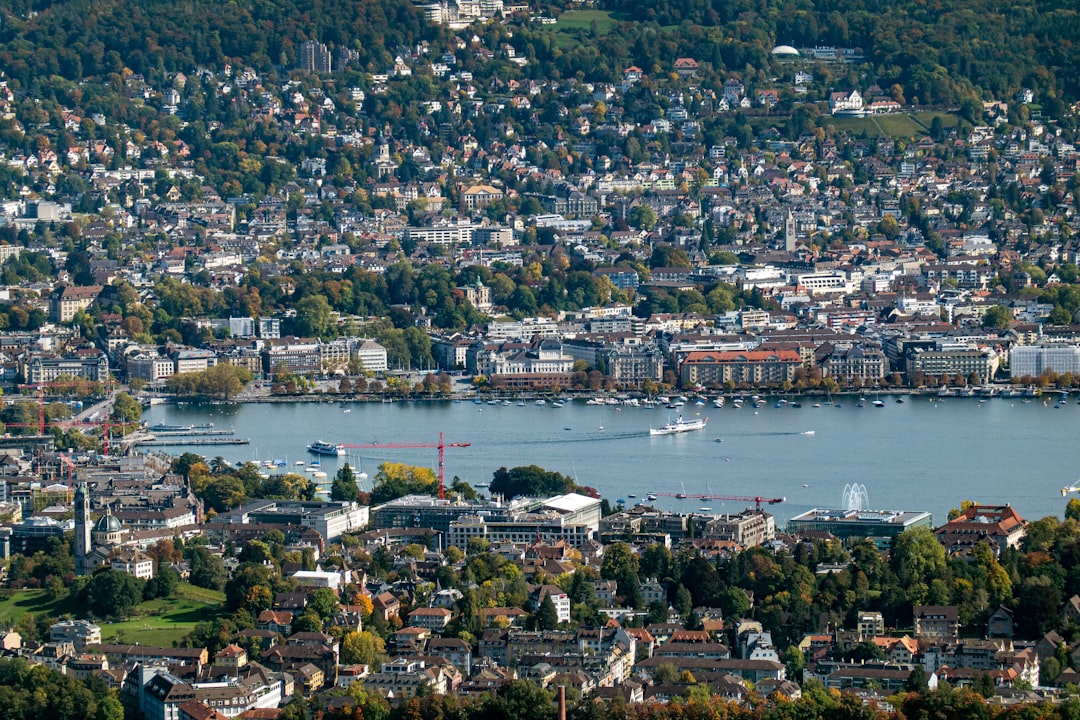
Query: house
(386, 605)
(846, 103)
(686, 67)
(1000, 623)
(432, 618)
(939, 623)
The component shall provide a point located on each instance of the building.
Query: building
(748, 528)
(426, 511)
(878, 525)
(940, 623)
(982, 363)
(752, 367)
(1034, 360)
(998, 525)
(315, 57)
(79, 633)
(93, 366)
(329, 519)
(68, 300)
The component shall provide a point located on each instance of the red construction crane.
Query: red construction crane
(405, 446)
(756, 499)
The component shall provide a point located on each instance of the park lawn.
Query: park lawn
(160, 622)
(16, 603)
(899, 126)
(573, 26)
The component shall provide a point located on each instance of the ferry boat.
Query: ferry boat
(321, 447)
(679, 426)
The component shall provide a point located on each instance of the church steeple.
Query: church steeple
(82, 528)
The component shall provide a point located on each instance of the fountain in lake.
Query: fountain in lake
(856, 497)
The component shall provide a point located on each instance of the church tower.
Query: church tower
(82, 528)
(789, 232)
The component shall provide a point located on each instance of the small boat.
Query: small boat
(680, 496)
(557, 404)
(878, 403)
(521, 403)
(540, 403)
(704, 509)
(899, 401)
(347, 410)
(650, 496)
(719, 439)
(631, 495)
(808, 432)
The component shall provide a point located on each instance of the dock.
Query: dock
(154, 441)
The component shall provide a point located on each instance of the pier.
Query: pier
(154, 441)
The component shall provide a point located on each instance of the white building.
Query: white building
(1034, 360)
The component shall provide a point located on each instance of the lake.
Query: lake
(924, 454)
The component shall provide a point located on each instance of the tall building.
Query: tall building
(315, 57)
(82, 528)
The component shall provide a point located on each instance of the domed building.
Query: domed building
(784, 51)
(94, 543)
(107, 530)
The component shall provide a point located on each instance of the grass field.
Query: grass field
(154, 622)
(583, 19)
(573, 26)
(899, 126)
(16, 603)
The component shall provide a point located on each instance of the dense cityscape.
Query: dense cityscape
(628, 204)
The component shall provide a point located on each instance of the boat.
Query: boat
(650, 496)
(540, 403)
(321, 447)
(680, 496)
(718, 402)
(808, 432)
(878, 403)
(631, 495)
(679, 425)
(899, 401)
(557, 404)
(704, 509)
(166, 427)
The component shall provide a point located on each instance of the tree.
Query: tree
(547, 616)
(126, 408)
(360, 647)
(111, 592)
(918, 559)
(207, 570)
(344, 485)
(396, 480)
(324, 603)
(997, 316)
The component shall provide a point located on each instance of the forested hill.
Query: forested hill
(79, 39)
(945, 47)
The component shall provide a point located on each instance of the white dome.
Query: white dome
(784, 50)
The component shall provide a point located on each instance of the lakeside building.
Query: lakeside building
(881, 526)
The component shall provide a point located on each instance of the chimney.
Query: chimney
(562, 702)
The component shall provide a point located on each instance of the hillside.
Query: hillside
(77, 39)
(937, 51)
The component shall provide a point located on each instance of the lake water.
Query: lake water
(924, 454)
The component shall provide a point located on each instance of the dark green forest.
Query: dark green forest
(935, 49)
(937, 52)
(78, 39)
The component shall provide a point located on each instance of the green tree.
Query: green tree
(111, 592)
(207, 569)
(344, 485)
(547, 616)
(126, 409)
